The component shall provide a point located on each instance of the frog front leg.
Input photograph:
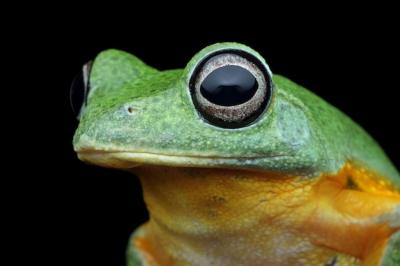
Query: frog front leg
(142, 250)
(137, 254)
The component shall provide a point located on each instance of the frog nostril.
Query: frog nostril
(131, 110)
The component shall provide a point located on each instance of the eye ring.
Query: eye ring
(234, 68)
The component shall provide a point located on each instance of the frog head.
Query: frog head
(225, 109)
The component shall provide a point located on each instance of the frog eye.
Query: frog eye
(80, 89)
(231, 89)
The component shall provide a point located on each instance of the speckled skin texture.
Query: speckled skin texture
(136, 114)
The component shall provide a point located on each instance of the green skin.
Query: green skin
(150, 115)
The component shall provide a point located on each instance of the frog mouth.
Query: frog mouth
(129, 159)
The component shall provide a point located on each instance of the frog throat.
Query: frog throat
(351, 213)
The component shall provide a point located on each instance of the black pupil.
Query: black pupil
(229, 85)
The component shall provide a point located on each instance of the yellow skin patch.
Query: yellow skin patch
(203, 216)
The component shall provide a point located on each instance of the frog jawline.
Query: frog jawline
(126, 160)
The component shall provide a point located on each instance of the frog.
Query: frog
(238, 166)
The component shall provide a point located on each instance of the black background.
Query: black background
(91, 210)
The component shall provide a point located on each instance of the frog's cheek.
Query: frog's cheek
(293, 134)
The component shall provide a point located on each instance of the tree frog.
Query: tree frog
(238, 166)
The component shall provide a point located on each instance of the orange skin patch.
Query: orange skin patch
(239, 217)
